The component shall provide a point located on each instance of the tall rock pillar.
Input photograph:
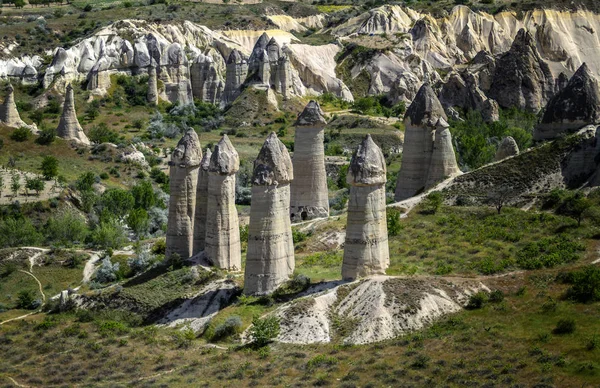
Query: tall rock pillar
(236, 72)
(222, 244)
(270, 256)
(309, 188)
(68, 126)
(201, 204)
(183, 176)
(152, 95)
(443, 161)
(421, 121)
(366, 250)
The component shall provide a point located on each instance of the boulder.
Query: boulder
(574, 107)
(68, 126)
(508, 147)
(183, 176)
(270, 256)
(222, 243)
(310, 197)
(366, 250)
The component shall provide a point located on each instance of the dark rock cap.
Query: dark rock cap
(224, 159)
(312, 115)
(273, 165)
(188, 152)
(235, 57)
(425, 109)
(579, 101)
(367, 166)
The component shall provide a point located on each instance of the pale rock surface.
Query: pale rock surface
(68, 126)
(246, 39)
(201, 203)
(132, 155)
(152, 96)
(381, 307)
(575, 106)
(461, 90)
(508, 147)
(522, 78)
(207, 83)
(183, 176)
(222, 243)
(443, 160)
(9, 115)
(310, 196)
(366, 250)
(421, 119)
(270, 256)
(236, 73)
(175, 75)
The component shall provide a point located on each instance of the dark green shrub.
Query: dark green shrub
(231, 326)
(264, 330)
(26, 300)
(393, 221)
(477, 300)
(102, 134)
(565, 326)
(46, 136)
(496, 296)
(20, 134)
(585, 284)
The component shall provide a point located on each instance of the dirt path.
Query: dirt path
(90, 267)
(39, 285)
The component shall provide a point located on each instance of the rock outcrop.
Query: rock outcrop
(222, 243)
(9, 115)
(175, 75)
(270, 255)
(183, 179)
(236, 73)
(426, 126)
(310, 197)
(366, 250)
(522, 78)
(462, 90)
(508, 147)
(207, 83)
(152, 96)
(68, 126)
(574, 107)
(201, 204)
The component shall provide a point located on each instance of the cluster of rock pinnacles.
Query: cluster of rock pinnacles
(203, 219)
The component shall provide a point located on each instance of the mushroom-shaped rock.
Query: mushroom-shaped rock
(508, 147)
(270, 256)
(222, 243)
(201, 204)
(522, 78)
(366, 250)
(309, 189)
(183, 179)
(574, 107)
(421, 119)
(443, 161)
(68, 126)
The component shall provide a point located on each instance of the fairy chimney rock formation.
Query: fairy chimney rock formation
(421, 121)
(366, 250)
(443, 160)
(236, 72)
(201, 204)
(508, 147)
(222, 244)
(207, 84)
(9, 115)
(574, 107)
(183, 176)
(270, 255)
(522, 78)
(68, 126)
(152, 96)
(309, 188)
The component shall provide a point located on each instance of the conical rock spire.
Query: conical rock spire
(367, 166)
(68, 126)
(273, 165)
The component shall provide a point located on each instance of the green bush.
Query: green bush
(20, 134)
(549, 252)
(264, 330)
(565, 326)
(477, 300)
(231, 326)
(585, 284)
(26, 300)
(433, 202)
(18, 232)
(66, 228)
(496, 296)
(102, 134)
(108, 235)
(393, 221)
(324, 259)
(46, 136)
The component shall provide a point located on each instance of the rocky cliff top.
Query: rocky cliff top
(312, 115)
(224, 159)
(188, 152)
(579, 101)
(425, 109)
(367, 166)
(273, 165)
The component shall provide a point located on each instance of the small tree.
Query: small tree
(500, 196)
(575, 206)
(433, 202)
(15, 185)
(35, 184)
(264, 330)
(49, 167)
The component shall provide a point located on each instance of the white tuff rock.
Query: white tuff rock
(201, 204)
(68, 126)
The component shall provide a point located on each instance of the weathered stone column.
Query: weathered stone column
(222, 244)
(183, 176)
(443, 161)
(366, 249)
(235, 75)
(152, 95)
(68, 126)
(9, 115)
(420, 120)
(201, 204)
(309, 188)
(270, 255)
